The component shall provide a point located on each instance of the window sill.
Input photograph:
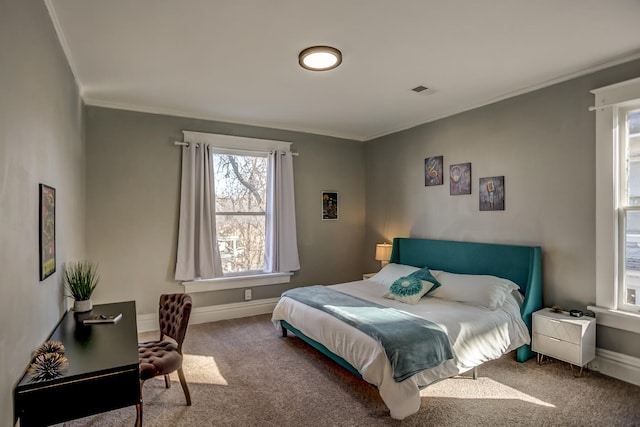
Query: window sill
(616, 318)
(235, 282)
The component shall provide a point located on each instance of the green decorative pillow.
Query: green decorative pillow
(425, 274)
(408, 289)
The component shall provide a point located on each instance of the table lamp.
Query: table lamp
(383, 253)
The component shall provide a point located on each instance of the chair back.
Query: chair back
(174, 313)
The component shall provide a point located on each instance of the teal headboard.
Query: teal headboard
(520, 264)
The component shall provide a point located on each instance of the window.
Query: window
(618, 205)
(629, 207)
(255, 227)
(241, 197)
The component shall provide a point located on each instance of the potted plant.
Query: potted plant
(80, 280)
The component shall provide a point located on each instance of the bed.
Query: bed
(476, 332)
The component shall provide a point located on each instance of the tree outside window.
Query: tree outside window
(241, 193)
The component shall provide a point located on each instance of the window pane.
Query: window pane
(633, 119)
(241, 242)
(241, 183)
(633, 158)
(631, 289)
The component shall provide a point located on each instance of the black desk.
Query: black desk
(103, 372)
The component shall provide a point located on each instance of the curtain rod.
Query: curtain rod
(602, 107)
(621, 104)
(238, 149)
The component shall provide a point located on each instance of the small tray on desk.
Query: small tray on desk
(102, 318)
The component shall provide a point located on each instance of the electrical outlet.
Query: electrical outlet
(247, 294)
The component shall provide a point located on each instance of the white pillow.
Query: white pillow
(479, 290)
(408, 289)
(392, 272)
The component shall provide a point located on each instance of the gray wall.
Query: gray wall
(543, 143)
(133, 176)
(41, 141)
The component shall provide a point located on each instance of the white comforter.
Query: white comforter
(476, 336)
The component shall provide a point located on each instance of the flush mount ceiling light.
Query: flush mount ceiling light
(320, 58)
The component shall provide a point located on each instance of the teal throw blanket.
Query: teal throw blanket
(411, 343)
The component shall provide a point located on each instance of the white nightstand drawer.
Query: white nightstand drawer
(564, 329)
(557, 349)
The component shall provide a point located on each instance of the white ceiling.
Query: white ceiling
(236, 60)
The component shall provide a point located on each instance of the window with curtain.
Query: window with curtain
(237, 210)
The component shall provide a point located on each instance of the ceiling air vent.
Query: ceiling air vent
(423, 90)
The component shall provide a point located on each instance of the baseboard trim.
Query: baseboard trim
(214, 313)
(617, 365)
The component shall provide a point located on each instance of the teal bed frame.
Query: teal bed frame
(520, 264)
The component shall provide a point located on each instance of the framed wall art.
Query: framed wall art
(329, 205)
(433, 171)
(47, 231)
(460, 179)
(491, 192)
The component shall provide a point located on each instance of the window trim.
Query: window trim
(225, 144)
(608, 101)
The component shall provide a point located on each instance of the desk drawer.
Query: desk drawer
(557, 349)
(562, 330)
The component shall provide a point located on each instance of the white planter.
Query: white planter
(82, 306)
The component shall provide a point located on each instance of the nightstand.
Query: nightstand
(366, 276)
(563, 337)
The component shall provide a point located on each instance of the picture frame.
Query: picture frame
(433, 171)
(47, 231)
(491, 193)
(329, 205)
(460, 179)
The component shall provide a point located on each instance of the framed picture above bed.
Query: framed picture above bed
(433, 171)
(329, 205)
(460, 179)
(491, 193)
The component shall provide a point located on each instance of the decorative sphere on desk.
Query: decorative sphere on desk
(48, 366)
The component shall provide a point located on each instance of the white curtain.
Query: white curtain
(198, 255)
(281, 246)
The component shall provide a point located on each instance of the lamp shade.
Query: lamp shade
(383, 252)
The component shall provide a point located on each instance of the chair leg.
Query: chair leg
(139, 408)
(139, 415)
(185, 387)
(167, 381)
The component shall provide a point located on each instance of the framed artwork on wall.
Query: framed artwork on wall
(329, 205)
(460, 179)
(47, 231)
(433, 171)
(491, 193)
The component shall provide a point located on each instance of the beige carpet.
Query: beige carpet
(243, 373)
